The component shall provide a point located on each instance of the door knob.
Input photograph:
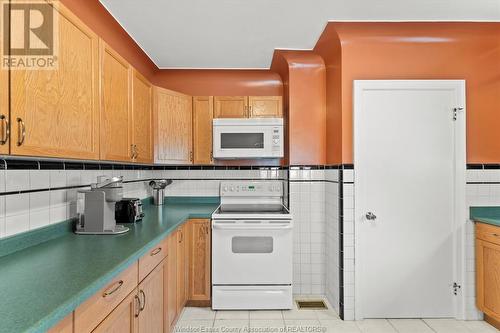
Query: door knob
(370, 216)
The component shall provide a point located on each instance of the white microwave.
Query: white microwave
(248, 138)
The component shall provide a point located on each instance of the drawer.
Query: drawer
(151, 259)
(487, 232)
(95, 309)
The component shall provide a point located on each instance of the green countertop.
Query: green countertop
(488, 215)
(41, 284)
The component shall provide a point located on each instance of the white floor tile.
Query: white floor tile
(299, 314)
(329, 314)
(446, 325)
(192, 313)
(375, 326)
(410, 326)
(232, 315)
(265, 315)
(339, 326)
(228, 325)
(478, 326)
(193, 325)
(297, 324)
(268, 325)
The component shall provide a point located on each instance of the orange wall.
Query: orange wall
(303, 74)
(93, 14)
(453, 50)
(330, 50)
(203, 82)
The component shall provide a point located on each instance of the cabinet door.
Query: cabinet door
(265, 106)
(115, 106)
(173, 127)
(151, 295)
(58, 110)
(203, 114)
(230, 106)
(142, 118)
(199, 260)
(4, 108)
(181, 269)
(488, 278)
(123, 319)
(170, 278)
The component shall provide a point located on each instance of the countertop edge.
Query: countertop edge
(66, 308)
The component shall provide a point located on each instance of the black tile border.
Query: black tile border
(487, 166)
(341, 243)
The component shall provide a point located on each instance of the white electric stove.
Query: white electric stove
(252, 247)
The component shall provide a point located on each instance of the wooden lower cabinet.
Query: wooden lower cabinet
(123, 319)
(488, 272)
(64, 326)
(154, 304)
(181, 268)
(199, 254)
(170, 278)
(150, 293)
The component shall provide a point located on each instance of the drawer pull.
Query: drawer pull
(155, 251)
(496, 235)
(138, 300)
(109, 293)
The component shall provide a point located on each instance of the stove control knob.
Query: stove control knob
(232, 188)
(225, 189)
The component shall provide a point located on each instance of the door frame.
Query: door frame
(460, 214)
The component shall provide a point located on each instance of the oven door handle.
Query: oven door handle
(251, 227)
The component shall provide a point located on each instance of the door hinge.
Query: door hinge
(455, 112)
(456, 288)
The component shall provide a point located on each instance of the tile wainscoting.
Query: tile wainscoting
(36, 193)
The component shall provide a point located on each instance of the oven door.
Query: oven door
(251, 252)
(240, 141)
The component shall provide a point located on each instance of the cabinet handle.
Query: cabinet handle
(496, 235)
(143, 305)
(133, 153)
(181, 236)
(191, 156)
(138, 300)
(136, 151)
(212, 156)
(7, 130)
(155, 251)
(107, 293)
(250, 111)
(22, 131)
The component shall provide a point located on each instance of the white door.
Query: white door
(409, 160)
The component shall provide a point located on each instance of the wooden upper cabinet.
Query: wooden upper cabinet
(142, 118)
(173, 127)
(116, 116)
(199, 283)
(230, 106)
(58, 110)
(203, 114)
(265, 106)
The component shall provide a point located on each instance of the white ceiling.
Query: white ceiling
(244, 33)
